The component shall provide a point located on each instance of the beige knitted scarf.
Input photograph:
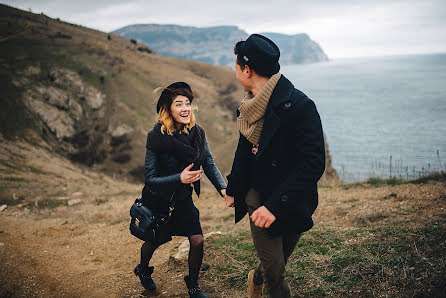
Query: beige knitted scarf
(252, 110)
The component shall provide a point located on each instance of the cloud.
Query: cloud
(342, 27)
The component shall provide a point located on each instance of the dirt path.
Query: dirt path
(80, 257)
(87, 250)
(65, 231)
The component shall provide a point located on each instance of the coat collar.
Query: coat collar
(281, 94)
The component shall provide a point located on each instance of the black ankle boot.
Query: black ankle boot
(193, 289)
(145, 276)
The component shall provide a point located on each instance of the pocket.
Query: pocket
(294, 207)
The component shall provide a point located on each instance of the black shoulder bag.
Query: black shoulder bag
(149, 226)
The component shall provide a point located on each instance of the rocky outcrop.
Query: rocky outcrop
(71, 111)
(57, 121)
(297, 49)
(214, 45)
(330, 177)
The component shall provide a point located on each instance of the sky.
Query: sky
(343, 28)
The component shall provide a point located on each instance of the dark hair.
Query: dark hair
(240, 61)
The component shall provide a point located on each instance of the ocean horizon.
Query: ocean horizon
(383, 116)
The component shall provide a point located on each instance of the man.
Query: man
(280, 157)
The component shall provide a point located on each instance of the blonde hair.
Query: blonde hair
(168, 123)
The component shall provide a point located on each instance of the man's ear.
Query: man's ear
(247, 71)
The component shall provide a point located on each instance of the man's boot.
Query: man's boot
(193, 289)
(145, 276)
(254, 291)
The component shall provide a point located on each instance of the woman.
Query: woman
(176, 148)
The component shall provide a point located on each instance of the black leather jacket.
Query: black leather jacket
(162, 177)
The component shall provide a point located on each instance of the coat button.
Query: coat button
(287, 106)
(284, 198)
(274, 163)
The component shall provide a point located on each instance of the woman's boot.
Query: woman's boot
(145, 276)
(193, 289)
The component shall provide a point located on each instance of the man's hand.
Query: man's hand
(229, 201)
(188, 176)
(262, 217)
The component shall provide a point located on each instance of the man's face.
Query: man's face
(240, 76)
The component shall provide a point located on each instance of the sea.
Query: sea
(382, 116)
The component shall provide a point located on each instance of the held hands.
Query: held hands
(188, 176)
(229, 201)
(262, 217)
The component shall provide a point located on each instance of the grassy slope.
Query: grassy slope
(369, 240)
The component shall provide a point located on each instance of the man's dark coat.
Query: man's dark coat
(290, 161)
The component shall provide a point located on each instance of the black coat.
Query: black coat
(290, 161)
(162, 177)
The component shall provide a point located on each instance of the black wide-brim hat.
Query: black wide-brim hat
(166, 98)
(261, 54)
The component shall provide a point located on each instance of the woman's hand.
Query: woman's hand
(188, 177)
(229, 201)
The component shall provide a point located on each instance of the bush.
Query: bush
(14, 116)
(144, 49)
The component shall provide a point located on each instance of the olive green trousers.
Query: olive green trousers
(273, 253)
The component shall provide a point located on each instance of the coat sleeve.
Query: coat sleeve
(153, 181)
(310, 165)
(211, 170)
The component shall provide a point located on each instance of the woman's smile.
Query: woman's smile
(181, 110)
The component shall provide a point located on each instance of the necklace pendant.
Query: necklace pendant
(255, 149)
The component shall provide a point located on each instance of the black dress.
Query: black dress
(162, 182)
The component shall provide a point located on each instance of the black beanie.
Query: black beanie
(260, 53)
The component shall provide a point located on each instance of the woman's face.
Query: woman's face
(181, 110)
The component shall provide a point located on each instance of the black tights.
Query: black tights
(195, 255)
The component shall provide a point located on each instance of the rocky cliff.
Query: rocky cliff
(214, 45)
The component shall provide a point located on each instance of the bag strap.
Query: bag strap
(171, 204)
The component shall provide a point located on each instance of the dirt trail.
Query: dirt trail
(77, 256)
(66, 231)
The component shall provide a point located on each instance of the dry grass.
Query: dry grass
(368, 241)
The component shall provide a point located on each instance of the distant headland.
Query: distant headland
(214, 45)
